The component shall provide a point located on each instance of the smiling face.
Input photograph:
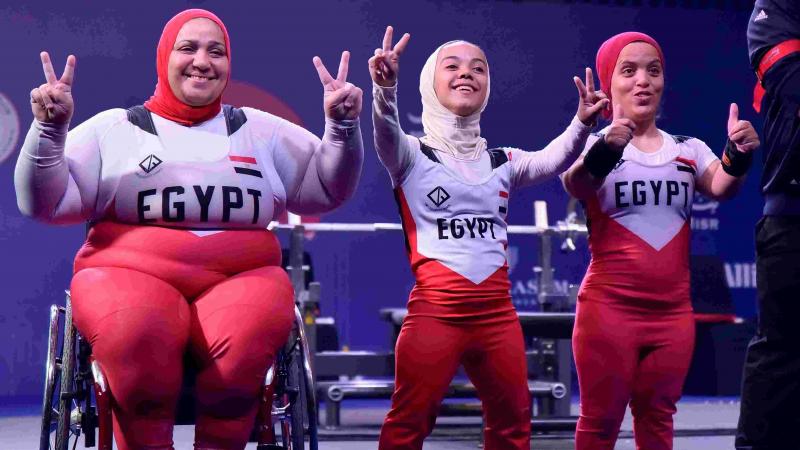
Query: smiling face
(460, 78)
(198, 63)
(638, 82)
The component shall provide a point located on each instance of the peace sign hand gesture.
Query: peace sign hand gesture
(385, 64)
(52, 101)
(591, 102)
(341, 100)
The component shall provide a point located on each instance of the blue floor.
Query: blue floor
(702, 423)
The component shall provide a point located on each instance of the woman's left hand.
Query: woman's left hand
(341, 99)
(741, 132)
(590, 102)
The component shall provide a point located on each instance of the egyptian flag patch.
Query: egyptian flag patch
(503, 202)
(245, 165)
(686, 165)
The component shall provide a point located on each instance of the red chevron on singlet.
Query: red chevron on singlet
(639, 226)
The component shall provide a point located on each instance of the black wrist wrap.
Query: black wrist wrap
(734, 162)
(601, 159)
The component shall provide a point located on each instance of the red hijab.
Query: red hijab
(608, 55)
(163, 102)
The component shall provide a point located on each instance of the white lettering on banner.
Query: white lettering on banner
(562, 286)
(704, 211)
(531, 287)
(705, 223)
(524, 288)
(525, 293)
(741, 275)
(702, 203)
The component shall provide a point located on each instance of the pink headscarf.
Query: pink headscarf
(607, 57)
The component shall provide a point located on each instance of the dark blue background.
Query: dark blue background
(534, 49)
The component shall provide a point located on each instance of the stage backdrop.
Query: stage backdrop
(534, 49)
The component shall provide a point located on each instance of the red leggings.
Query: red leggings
(140, 327)
(626, 355)
(429, 350)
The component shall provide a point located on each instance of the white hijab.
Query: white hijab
(444, 130)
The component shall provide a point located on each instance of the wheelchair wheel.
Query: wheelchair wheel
(59, 386)
(304, 407)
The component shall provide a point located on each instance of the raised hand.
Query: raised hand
(385, 64)
(621, 130)
(591, 102)
(52, 101)
(741, 132)
(341, 99)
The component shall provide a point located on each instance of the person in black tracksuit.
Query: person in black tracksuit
(769, 416)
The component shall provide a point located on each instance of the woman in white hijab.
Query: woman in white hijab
(453, 191)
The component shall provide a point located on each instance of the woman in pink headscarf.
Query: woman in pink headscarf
(634, 330)
(178, 259)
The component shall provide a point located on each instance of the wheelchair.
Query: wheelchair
(77, 400)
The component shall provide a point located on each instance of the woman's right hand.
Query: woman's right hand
(52, 101)
(620, 132)
(385, 64)
(590, 102)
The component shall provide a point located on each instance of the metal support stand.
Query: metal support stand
(559, 350)
(306, 297)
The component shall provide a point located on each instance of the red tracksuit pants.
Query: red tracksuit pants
(145, 296)
(428, 352)
(629, 355)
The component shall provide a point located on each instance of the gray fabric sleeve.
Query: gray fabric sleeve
(57, 176)
(395, 149)
(318, 175)
(533, 167)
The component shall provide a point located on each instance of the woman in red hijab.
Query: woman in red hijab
(634, 329)
(178, 259)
